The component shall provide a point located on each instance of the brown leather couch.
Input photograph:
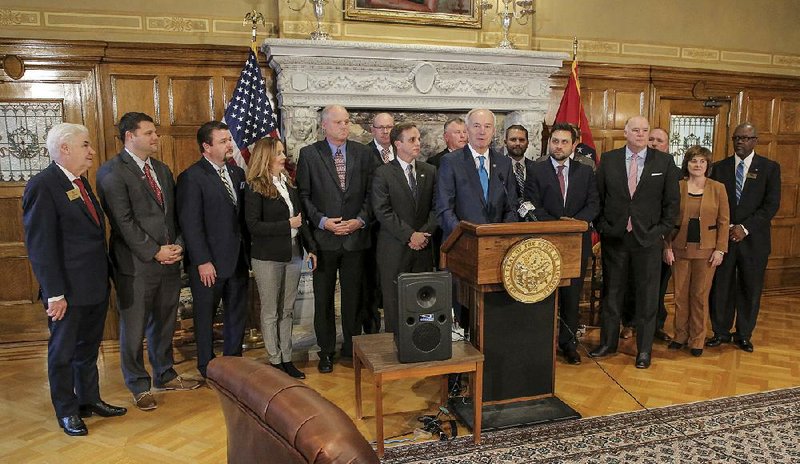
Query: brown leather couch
(273, 418)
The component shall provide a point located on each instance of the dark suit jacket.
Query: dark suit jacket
(759, 202)
(459, 196)
(528, 165)
(400, 214)
(321, 195)
(66, 247)
(139, 226)
(653, 208)
(374, 148)
(436, 159)
(268, 223)
(213, 227)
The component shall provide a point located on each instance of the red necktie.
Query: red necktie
(633, 172)
(148, 174)
(561, 182)
(87, 200)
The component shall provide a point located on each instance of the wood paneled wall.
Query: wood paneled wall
(182, 86)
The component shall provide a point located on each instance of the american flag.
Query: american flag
(249, 114)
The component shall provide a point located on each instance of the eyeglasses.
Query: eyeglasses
(386, 128)
(743, 138)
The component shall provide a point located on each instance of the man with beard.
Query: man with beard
(211, 214)
(563, 188)
(516, 142)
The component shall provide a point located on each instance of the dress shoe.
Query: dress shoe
(718, 340)
(626, 333)
(663, 336)
(145, 401)
(73, 425)
(102, 409)
(601, 351)
(293, 371)
(325, 365)
(745, 345)
(278, 366)
(643, 360)
(674, 346)
(178, 384)
(696, 352)
(572, 356)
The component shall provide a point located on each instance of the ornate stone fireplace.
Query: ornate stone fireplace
(412, 79)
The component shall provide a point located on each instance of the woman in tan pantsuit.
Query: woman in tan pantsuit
(696, 247)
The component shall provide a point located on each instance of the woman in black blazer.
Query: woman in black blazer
(279, 234)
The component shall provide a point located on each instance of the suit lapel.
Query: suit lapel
(755, 170)
(468, 164)
(131, 165)
(350, 165)
(400, 177)
(326, 155)
(68, 186)
(213, 177)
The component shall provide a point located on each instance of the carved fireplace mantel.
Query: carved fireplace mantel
(392, 77)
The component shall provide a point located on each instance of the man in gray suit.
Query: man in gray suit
(138, 194)
(402, 199)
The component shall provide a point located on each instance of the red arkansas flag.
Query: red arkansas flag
(571, 109)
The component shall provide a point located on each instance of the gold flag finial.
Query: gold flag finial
(254, 18)
(574, 48)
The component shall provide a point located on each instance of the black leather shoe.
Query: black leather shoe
(674, 346)
(745, 345)
(278, 366)
(663, 336)
(325, 365)
(102, 409)
(718, 340)
(643, 360)
(601, 351)
(696, 352)
(572, 356)
(73, 425)
(293, 371)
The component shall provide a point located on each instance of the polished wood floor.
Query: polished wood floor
(188, 427)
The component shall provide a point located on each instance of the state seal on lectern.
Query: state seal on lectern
(531, 270)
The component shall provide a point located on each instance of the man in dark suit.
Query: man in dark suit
(516, 142)
(659, 140)
(372, 298)
(211, 216)
(753, 184)
(66, 240)
(455, 137)
(334, 177)
(565, 189)
(402, 199)
(475, 184)
(639, 201)
(138, 193)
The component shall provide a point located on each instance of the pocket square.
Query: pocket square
(657, 174)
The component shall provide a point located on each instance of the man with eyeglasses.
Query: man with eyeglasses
(753, 183)
(334, 178)
(371, 294)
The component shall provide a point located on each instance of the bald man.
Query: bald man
(639, 201)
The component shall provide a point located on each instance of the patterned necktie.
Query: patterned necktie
(483, 174)
(412, 181)
(341, 169)
(561, 182)
(520, 175)
(385, 154)
(633, 172)
(739, 180)
(148, 175)
(87, 200)
(226, 184)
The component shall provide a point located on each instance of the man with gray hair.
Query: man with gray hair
(66, 240)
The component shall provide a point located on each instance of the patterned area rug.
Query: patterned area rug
(749, 429)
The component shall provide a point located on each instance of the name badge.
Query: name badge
(241, 186)
(752, 175)
(73, 194)
(657, 174)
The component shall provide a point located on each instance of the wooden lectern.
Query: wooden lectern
(518, 340)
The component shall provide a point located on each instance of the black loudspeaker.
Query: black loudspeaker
(425, 317)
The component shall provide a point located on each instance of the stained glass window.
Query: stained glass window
(687, 131)
(23, 131)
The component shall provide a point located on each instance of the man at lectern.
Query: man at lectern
(563, 188)
(475, 184)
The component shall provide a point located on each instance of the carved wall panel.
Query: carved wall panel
(135, 93)
(759, 111)
(789, 121)
(191, 100)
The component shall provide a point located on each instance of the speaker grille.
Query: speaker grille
(426, 337)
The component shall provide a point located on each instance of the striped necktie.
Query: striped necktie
(226, 184)
(739, 180)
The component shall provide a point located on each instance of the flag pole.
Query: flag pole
(254, 18)
(574, 48)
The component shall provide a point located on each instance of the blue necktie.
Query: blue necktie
(484, 176)
(739, 180)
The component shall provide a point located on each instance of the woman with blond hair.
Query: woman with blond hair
(696, 247)
(279, 235)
